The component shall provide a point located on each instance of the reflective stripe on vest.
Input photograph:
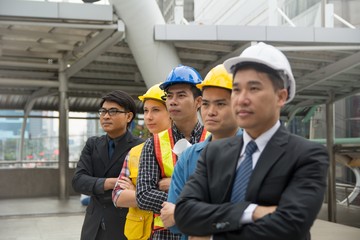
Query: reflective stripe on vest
(204, 135)
(163, 145)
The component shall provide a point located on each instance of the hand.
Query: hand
(164, 184)
(261, 211)
(126, 183)
(109, 183)
(167, 214)
(199, 237)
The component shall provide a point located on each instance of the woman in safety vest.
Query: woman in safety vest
(183, 99)
(138, 223)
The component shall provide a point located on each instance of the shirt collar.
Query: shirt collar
(262, 140)
(116, 140)
(195, 133)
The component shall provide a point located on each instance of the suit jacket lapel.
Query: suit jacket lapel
(270, 155)
(103, 150)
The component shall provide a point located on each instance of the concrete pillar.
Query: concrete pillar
(154, 59)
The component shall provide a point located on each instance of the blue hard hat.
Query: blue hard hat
(182, 74)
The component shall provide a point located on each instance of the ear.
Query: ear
(282, 97)
(130, 116)
(198, 101)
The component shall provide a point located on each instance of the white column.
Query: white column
(273, 15)
(329, 15)
(155, 59)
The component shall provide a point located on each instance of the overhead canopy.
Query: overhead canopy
(37, 43)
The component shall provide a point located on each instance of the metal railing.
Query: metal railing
(347, 190)
(10, 164)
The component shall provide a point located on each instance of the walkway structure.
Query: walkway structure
(51, 218)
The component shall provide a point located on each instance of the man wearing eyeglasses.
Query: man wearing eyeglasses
(99, 165)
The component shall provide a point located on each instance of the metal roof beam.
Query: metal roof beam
(198, 56)
(106, 75)
(355, 89)
(29, 64)
(97, 87)
(111, 68)
(204, 46)
(12, 82)
(30, 54)
(121, 50)
(329, 71)
(10, 33)
(93, 54)
(89, 45)
(60, 24)
(117, 60)
(234, 53)
(17, 73)
(23, 44)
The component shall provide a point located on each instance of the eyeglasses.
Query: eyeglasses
(112, 111)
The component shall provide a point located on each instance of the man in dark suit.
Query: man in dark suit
(273, 192)
(100, 163)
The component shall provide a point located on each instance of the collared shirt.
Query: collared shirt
(148, 195)
(261, 143)
(125, 172)
(116, 140)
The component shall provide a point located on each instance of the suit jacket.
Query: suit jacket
(92, 169)
(290, 173)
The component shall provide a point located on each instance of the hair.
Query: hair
(157, 100)
(276, 77)
(194, 90)
(121, 98)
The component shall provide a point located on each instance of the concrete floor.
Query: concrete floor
(52, 219)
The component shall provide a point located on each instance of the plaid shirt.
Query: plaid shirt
(148, 196)
(125, 172)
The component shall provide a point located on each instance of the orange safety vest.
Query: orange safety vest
(163, 145)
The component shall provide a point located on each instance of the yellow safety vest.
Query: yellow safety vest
(163, 145)
(138, 224)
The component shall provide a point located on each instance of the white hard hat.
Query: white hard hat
(269, 56)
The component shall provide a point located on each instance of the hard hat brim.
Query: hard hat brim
(228, 64)
(143, 99)
(166, 85)
(202, 86)
(236, 60)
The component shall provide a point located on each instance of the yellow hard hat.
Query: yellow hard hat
(154, 92)
(217, 77)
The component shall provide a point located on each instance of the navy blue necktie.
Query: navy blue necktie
(111, 148)
(243, 174)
